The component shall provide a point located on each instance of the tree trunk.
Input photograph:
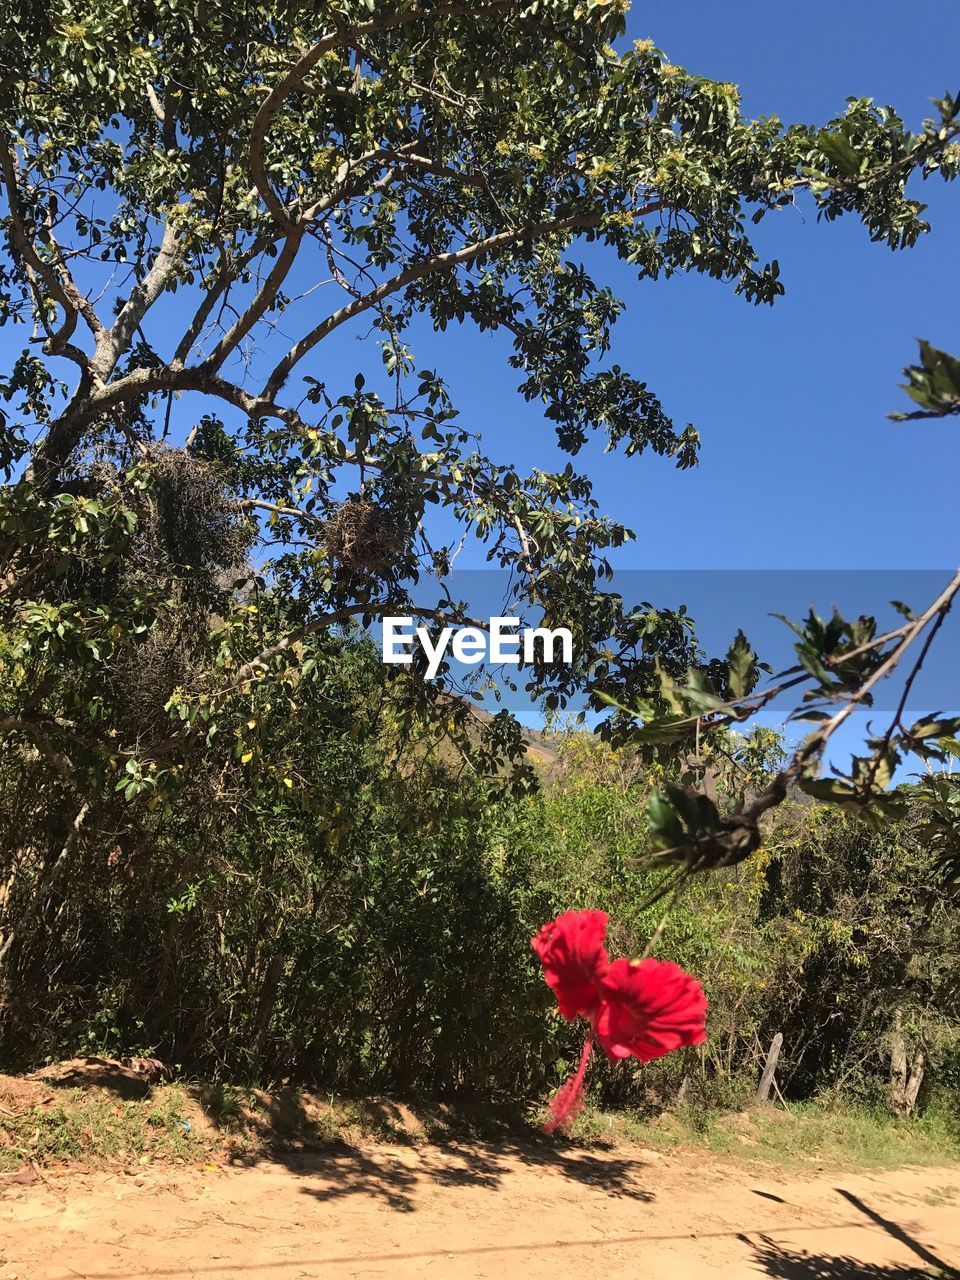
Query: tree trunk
(914, 1081)
(897, 1089)
(267, 1002)
(9, 931)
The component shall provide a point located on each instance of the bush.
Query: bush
(366, 928)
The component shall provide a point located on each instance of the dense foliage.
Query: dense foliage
(368, 929)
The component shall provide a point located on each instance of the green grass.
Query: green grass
(197, 1123)
(93, 1127)
(838, 1137)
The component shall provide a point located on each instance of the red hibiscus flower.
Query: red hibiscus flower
(574, 960)
(649, 1008)
(636, 1008)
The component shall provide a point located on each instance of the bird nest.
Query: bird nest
(362, 537)
(191, 517)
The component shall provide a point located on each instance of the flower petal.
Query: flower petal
(649, 1008)
(574, 960)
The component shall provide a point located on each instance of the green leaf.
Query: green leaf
(743, 671)
(831, 790)
(935, 727)
(664, 823)
(839, 151)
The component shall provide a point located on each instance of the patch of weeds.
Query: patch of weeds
(96, 1128)
(327, 1121)
(805, 1133)
(851, 1137)
(226, 1105)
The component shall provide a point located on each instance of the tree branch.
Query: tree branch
(58, 280)
(438, 263)
(32, 726)
(112, 345)
(937, 609)
(301, 69)
(264, 299)
(323, 623)
(226, 275)
(155, 104)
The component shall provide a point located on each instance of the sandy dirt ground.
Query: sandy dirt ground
(475, 1210)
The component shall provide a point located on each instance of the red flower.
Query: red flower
(636, 1008)
(649, 1008)
(574, 960)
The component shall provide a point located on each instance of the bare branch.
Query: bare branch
(113, 344)
(250, 504)
(155, 105)
(264, 299)
(227, 273)
(58, 280)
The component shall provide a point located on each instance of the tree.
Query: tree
(193, 490)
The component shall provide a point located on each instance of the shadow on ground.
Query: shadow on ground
(431, 1146)
(781, 1263)
(399, 1178)
(128, 1083)
(786, 1264)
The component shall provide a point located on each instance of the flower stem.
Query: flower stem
(566, 1104)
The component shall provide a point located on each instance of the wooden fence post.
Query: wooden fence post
(769, 1067)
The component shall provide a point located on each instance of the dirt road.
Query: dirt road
(472, 1210)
